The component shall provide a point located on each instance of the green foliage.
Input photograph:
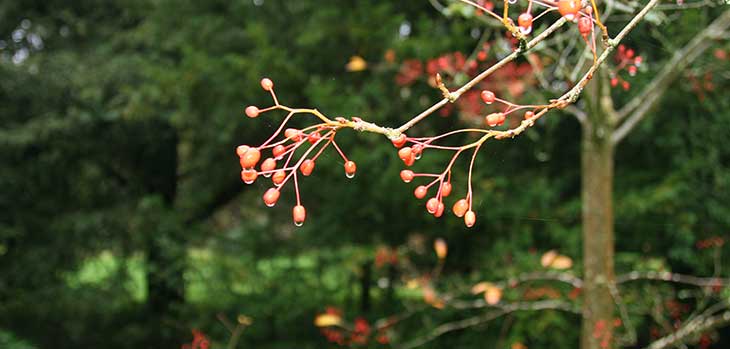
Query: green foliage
(124, 223)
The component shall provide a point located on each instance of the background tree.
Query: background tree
(92, 110)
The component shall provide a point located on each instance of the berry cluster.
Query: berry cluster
(626, 59)
(315, 139)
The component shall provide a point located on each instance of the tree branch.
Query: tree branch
(484, 318)
(697, 325)
(638, 107)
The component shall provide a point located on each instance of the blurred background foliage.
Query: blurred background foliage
(124, 222)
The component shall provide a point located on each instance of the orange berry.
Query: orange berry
(525, 23)
(271, 196)
(488, 96)
(410, 160)
(307, 167)
(293, 134)
(278, 150)
(252, 111)
(406, 176)
(241, 149)
(460, 207)
(420, 192)
(249, 176)
(313, 137)
(350, 169)
(267, 84)
(529, 115)
(399, 141)
(250, 158)
(495, 119)
(432, 205)
(405, 153)
(278, 177)
(268, 165)
(417, 149)
(299, 214)
(470, 218)
(445, 189)
(439, 210)
(569, 8)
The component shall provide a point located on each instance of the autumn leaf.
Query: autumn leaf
(492, 292)
(551, 259)
(356, 64)
(441, 248)
(325, 320)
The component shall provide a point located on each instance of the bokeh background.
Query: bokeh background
(124, 222)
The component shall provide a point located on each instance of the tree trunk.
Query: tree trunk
(597, 155)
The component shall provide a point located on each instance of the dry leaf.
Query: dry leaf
(548, 258)
(562, 262)
(493, 295)
(324, 320)
(441, 248)
(356, 63)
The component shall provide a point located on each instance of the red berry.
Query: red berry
(410, 160)
(585, 25)
(420, 192)
(569, 8)
(432, 205)
(529, 115)
(241, 149)
(439, 210)
(406, 175)
(293, 134)
(250, 158)
(249, 176)
(271, 197)
(482, 56)
(495, 119)
(470, 218)
(632, 70)
(268, 165)
(417, 149)
(278, 177)
(630, 53)
(267, 84)
(525, 22)
(278, 150)
(405, 153)
(307, 167)
(446, 189)
(313, 137)
(626, 85)
(614, 81)
(460, 207)
(488, 96)
(638, 60)
(350, 168)
(400, 140)
(299, 214)
(252, 111)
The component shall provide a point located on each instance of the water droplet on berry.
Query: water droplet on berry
(270, 204)
(512, 1)
(267, 175)
(299, 224)
(248, 181)
(526, 31)
(349, 175)
(418, 156)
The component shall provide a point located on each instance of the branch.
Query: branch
(697, 325)
(673, 277)
(642, 103)
(484, 318)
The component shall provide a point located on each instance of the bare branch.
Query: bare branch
(673, 277)
(484, 318)
(643, 102)
(697, 325)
